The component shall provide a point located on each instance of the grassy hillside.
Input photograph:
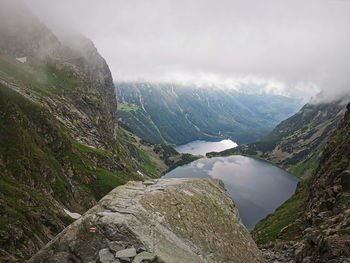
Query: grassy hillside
(296, 145)
(177, 114)
(297, 142)
(43, 170)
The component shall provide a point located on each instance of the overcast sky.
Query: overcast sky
(288, 47)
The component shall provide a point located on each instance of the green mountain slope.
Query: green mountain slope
(60, 146)
(178, 114)
(313, 226)
(296, 143)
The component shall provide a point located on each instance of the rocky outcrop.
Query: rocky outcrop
(89, 111)
(166, 220)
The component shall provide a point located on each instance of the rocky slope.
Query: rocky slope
(60, 149)
(167, 220)
(319, 211)
(296, 143)
(326, 236)
(70, 78)
(177, 114)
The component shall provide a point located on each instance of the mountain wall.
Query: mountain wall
(297, 142)
(319, 229)
(178, 114)
(326, 235)
(60, 146)
(68, 76)
(296, 145)
(167, 220)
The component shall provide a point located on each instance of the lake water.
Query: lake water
(200, 147)
(257, 187)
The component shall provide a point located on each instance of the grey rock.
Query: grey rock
(115, 246)
(142, 217)
(105, 256)
(126, 253)
(144, 256)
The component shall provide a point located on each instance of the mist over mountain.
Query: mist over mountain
(291, 48)
(71, 140)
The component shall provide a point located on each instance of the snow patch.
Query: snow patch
(22, 59)
(140, 173)
(72, 215)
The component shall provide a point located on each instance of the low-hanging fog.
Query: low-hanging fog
(294, 48)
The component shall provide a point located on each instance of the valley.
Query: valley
(177, 114)
(96, 169)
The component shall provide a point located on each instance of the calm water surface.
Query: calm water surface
(200, 147)
(256, 187)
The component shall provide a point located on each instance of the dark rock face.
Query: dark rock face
(95, 100)
(57, 97)
(166, 220)
(327, 236)
(90, 109)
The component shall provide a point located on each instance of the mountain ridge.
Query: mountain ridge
(296, 142)
(177, 114)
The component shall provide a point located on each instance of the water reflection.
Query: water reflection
(200, 147)
(257, 187)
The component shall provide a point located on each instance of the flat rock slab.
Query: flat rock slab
(126, 253)
(165, 220)
(105, 256)
(144, 256)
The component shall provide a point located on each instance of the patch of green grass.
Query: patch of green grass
(67, 220)
(269, 229)
(126, 136)
(305, 167)
(345, 231)
(43, 79)
(88, 149)
(105, 182)
(61, 80)
(127, 107)
(149, 168)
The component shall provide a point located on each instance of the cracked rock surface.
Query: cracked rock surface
(164, 220)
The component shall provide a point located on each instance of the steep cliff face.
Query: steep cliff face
(296, 143)
(168, 220)
(65, 74)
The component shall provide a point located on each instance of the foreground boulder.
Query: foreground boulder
(166, 220)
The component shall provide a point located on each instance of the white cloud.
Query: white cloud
(293, 46)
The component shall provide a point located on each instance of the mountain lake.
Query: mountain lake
(256, 187)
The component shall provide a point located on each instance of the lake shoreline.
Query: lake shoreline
(256, 186)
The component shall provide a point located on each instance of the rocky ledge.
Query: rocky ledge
(165, 220)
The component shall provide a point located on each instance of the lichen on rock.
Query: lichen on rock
(165, 220)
